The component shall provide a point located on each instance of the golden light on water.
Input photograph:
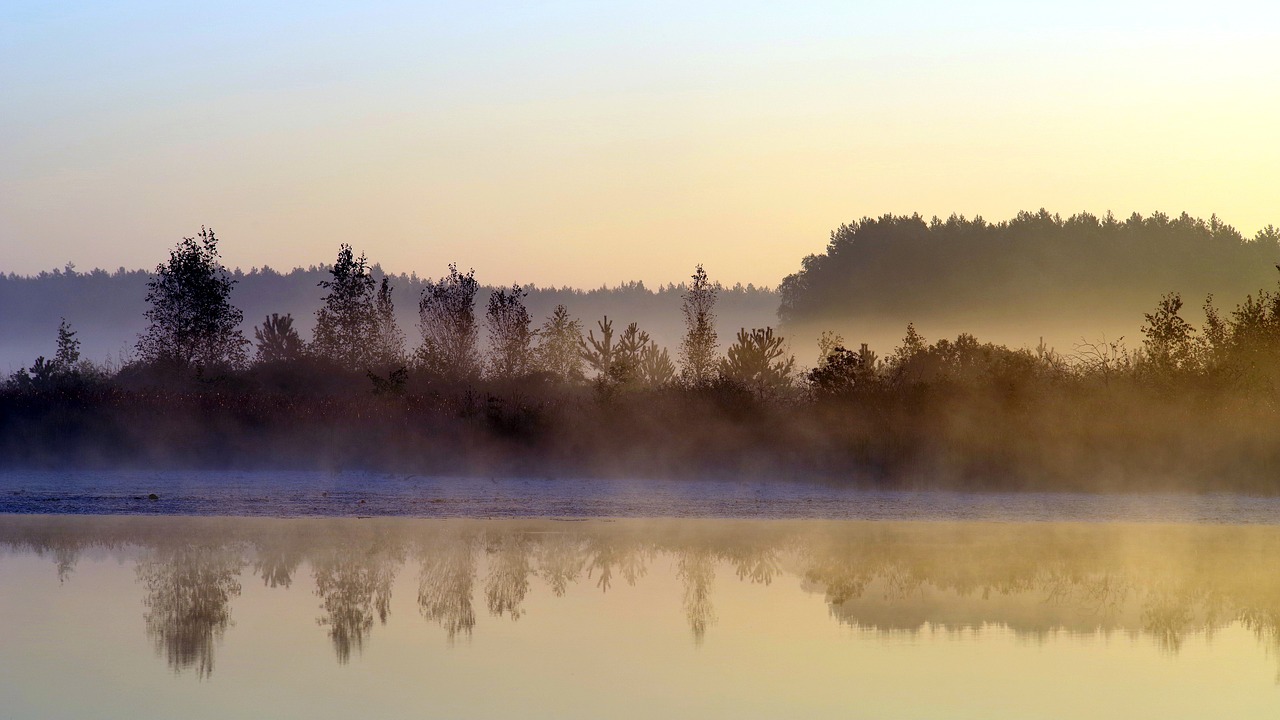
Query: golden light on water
(636, 619)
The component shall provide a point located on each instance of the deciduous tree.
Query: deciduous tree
(191, 321)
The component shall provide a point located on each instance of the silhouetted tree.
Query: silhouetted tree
(191, 321)
(656, 368)
(598, 354)
(346, 324)
(828, 341)
(67, 356)
(510, 337)
(844, 371)
(46, 374)
(558, 348)
(446, 316)
(698, 350)
(1169, 343)
(388, 347)
(628, 355)
(759, 361)
(277, 339)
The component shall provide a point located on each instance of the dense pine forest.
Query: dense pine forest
(477, 383)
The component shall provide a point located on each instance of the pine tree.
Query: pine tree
(759, 361)
(277, 340)
(558, 347)
(598, 354)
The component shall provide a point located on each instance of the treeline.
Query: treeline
(1188, 407)
(1063, 277)
(107, 306)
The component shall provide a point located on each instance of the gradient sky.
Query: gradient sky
(590, 143)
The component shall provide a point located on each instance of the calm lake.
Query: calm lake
(204, 617)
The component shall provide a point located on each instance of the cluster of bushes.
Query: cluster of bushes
(1191, 407)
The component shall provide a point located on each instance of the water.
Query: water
(305, 494)
(194, 617)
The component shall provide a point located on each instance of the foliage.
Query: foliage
(598, 354)
(628, 355)
(346, 324)
(191, 321)
(446, 317)
(759, 360)
(510, 337)
(843, 371)
(278, 341)
(894, 264)
(67, 356)
(1170, 340)
(698, 350)
(656, 369)
(558, 348)
(387, 347)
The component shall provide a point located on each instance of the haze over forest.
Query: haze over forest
(1035, 276)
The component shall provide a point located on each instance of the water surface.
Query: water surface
(142, 617)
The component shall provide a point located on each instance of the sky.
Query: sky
(585, 144)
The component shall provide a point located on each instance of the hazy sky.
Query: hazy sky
(589, 143)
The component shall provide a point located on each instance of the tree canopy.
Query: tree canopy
(191, 321)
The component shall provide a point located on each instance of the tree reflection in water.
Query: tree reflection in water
(1161, 582)
(446, 578)
(354, 584)
(188, 601)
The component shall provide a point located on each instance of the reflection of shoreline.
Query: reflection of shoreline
(1160, 582)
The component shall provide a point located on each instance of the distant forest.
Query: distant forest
(1037, 276)
(107, 307)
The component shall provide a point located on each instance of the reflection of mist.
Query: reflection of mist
(188, 600)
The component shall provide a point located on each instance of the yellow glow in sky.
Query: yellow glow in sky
(576, 145)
